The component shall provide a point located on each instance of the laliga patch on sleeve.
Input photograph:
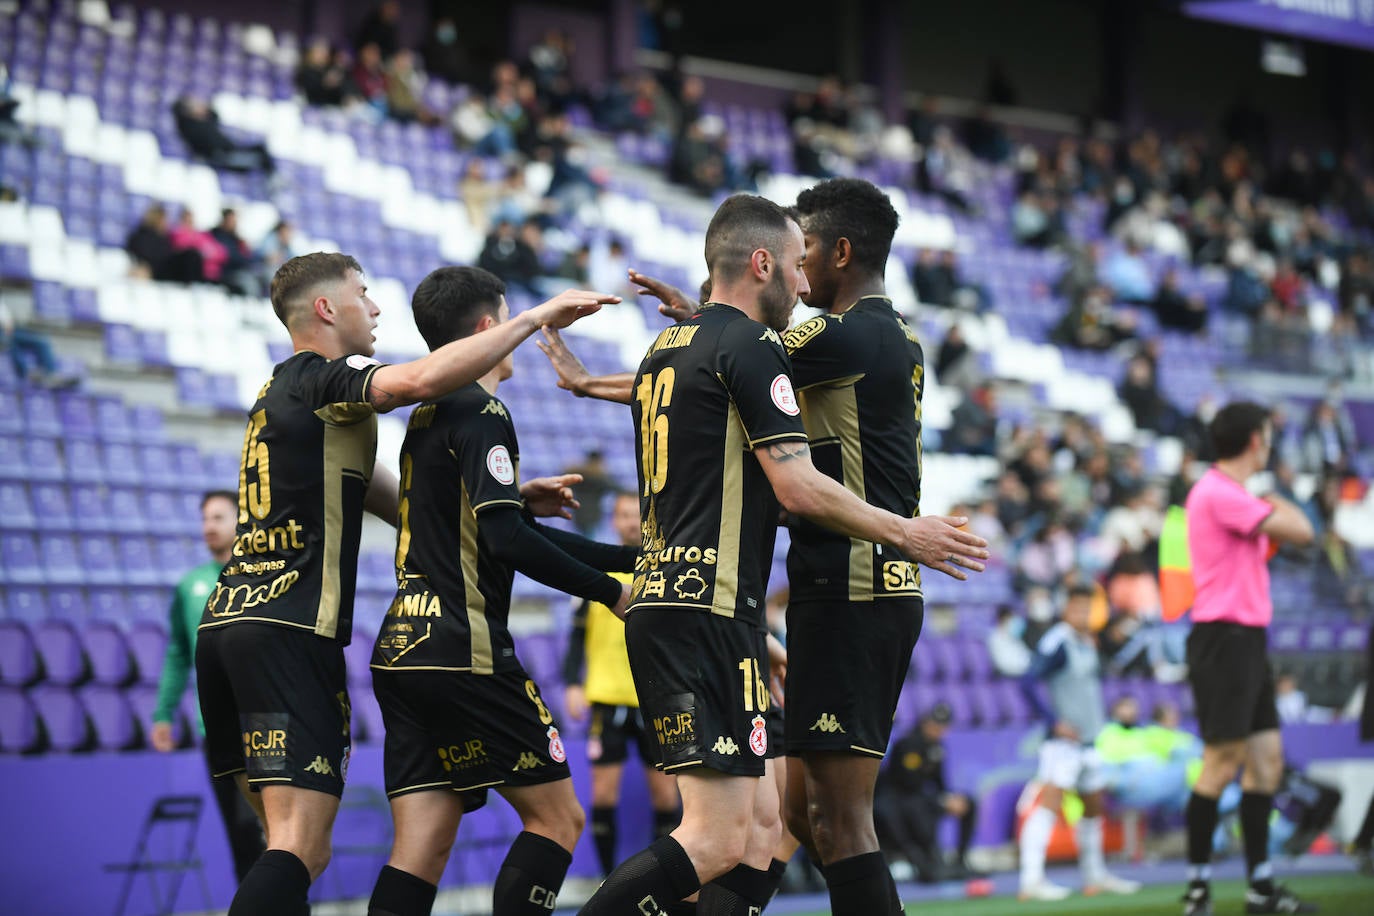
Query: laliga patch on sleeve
(500, 466)
(784, 398)
(360, 362)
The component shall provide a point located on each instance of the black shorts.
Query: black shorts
(611, 731)
(466, 733)
(275, 704)
(702, 681)
(1232, 681)
(846, 661)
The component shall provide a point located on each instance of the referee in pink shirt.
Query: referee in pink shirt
(1229, 536)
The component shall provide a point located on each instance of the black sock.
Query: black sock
(531, 877)
(665, 822)
(1201, 818)
(399, 893)
(604, 836)
(776, 869)
(682, 908)
(663, 874)
(1365, 838)
(277, 885)
(739, 892)
(860, 885)
(1255, 809)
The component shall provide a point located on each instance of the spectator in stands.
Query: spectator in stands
(986, 138)
(550, 63)
(150, 245)
(199, 127)
(1008, 650)
(480, 197)
(1355, 293)
(444, 55)
(280, 246)
(219, 517)
(1176, 310)
(369, 76)
(1036, 220)
(576, 267)
(1326, 443)
(1092, 324)
(1292, 702)
(1048, 557)
(1128, 276)
(697, 161)
(946, 170)
(933, 282)
(510, 257)
(240, 270)
(955, 366)
(186, 237)
(973, 428)
(1080, 277)
(609, 264)
(30, 353)
(1013, 502)
(913, 796)
(403, 86)
(320, 78)
(1146, 768)
(591, 492)
(381, 28)
(1139, 391)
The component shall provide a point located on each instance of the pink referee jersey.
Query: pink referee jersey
(1229, 554)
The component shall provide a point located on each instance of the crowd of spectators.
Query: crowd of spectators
(185, 253)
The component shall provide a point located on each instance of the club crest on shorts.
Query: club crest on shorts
(758, 738)
(556, 751)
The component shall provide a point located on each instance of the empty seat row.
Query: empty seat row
(40, 457)
(57, 652)
(97, 508)
(95, 559)
(52, 718)
(122, 606)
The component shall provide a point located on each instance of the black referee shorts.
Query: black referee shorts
(1232, 681)
(846, 661)
(611, 732)
(275, 703)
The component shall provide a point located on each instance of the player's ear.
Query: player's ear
(761, 262)
(324, 309)
(843, 253)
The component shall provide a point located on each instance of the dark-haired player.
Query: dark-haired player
(462, 715)
(719, 434)
(269, 660)
(1229, 533)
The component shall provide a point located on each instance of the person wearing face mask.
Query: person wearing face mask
(1010, 655)
(444, 55)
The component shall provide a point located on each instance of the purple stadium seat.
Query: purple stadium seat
(67, 602)
(113, 422)
(50, 503)
(143, 700)
(148, 645)
(19, 558)
(109, 604)
(111, 663)
(19, 728)
(64, 718)
(111, 715)
(26, 603)
(222, 471)
(84, 461)
(16, 509)
(99, 560)
(40, 413)
(121, 345)
(126, 511)
(11, 417)
(78, 417)
(357, 656)
(90, 508)
(149, 605)
(173, 556)
(164, 511)
(12, 464)
(20, 665)
(135, 559)
(43, 457)
(120, 465)
(63, 661)
(147, 423)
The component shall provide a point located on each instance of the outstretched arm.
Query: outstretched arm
(673, 302)
(573, 375)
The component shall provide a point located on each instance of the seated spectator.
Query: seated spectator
(1291, 701)
(913, 796)
(955, 365)
(609, 269)
(576, 267)
(186, 237)
(1036, 220)
(30, 353)
(1326, 443)
(381, 28)
(1049, 555)
(1128, 276)
(1139, 391)
(983, 521)
(510, 257)
(973, 426)
(550, 63)
(932, 279)
(1147, 768)
(199, 128)
(403, 85)
(1134, 525)
(150, 245)
(369, 75)
(697, 160)
(1355, 293)
(320, 78)
(239, 272)
(1080, 277)
(444, 55)
(479, 196)
(280, 246)
(1092, 324)
(1006, 645)
(1176, 310)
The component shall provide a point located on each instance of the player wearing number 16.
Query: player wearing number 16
(719, 433)
(269, 660)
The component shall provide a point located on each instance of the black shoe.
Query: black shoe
(1198, 900)
(1282, 900)
(959, 870)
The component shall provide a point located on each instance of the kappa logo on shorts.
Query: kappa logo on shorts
(725, 745)
(528, 761)
(829, 724)
(321, 766)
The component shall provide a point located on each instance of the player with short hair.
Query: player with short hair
(721, 443)
(269, 661)
(218, 515)
(462, 715)
(1229, 535)
(606, 694)
(1066, 661)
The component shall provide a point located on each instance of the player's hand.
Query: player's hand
(623, 604)
(673, 302)
(161, 737)
(940, 543)
(575, 702)
(572, 375)
(1065, 731)
(777, 668)
(568, 306)
(551, 497)
(956, 805)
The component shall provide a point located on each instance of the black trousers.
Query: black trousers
(240, 823)
(908, 827)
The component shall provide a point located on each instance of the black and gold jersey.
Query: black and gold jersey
(708, 392)
(859, 376)
(460, 458)
(308, 454)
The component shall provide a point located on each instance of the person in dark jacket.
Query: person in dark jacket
(150, 244)
(199, 128)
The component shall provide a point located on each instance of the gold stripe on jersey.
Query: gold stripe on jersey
(475, 601)
(831, 415)
(345, 454)
(731, 516)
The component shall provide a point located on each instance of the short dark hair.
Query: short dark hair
(1233, 426)
(854, 209)
(218, 494)
(743, 224)
(302, 274)
(449, 303)
(1005, 611)
(1082, 590)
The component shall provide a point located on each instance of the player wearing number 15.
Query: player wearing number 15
(269, 660)
(719, 433)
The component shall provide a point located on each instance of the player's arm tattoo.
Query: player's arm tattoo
(380, 399)
(786, 451)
